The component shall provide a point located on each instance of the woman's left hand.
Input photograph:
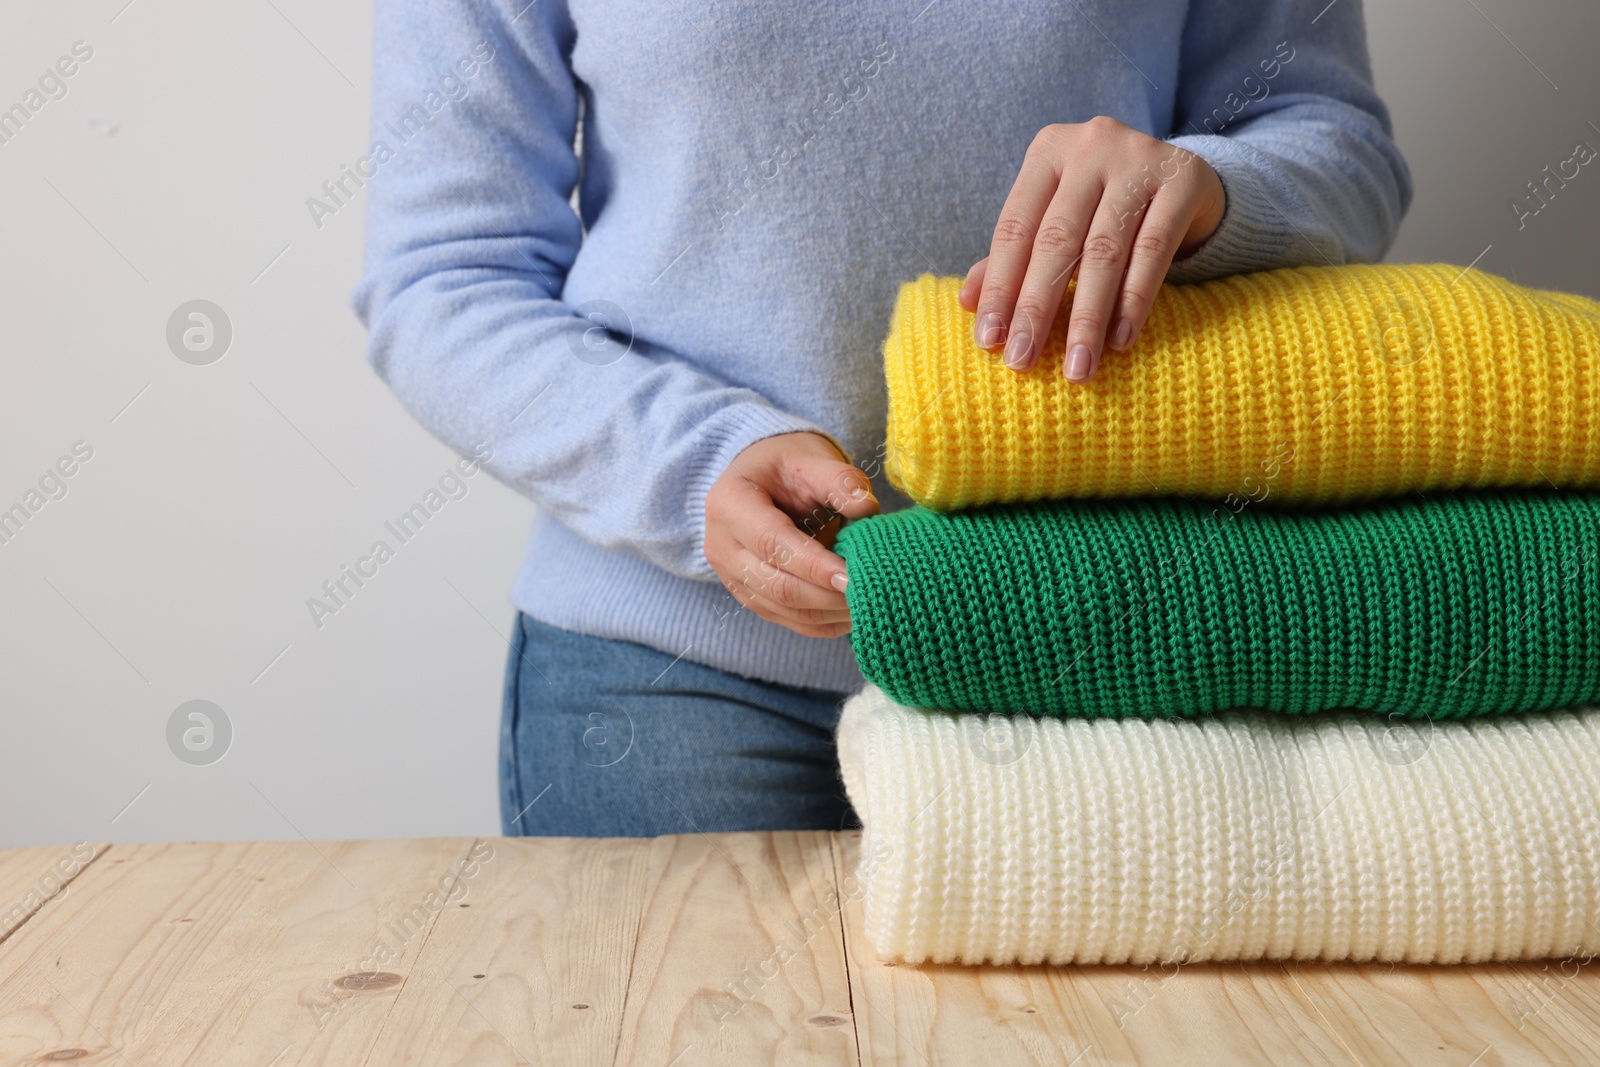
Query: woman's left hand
(1108, 202)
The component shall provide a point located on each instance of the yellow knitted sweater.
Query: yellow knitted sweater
(1306, 385)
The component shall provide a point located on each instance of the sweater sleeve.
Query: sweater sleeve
(470, 235)
(1279, 100)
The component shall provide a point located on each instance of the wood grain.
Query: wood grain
(1256, 1013)
(740, 957)
(1520, 1013)
(534, 969)
(722, 949)
(222, 953)
(30, 878)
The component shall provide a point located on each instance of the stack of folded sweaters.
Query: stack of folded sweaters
(1279, 639)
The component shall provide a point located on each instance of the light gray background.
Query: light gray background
(220, 497)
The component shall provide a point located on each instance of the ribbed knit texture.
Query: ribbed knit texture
(1344, 383)
(1336, 837)
(1458, 605)
(720, 264)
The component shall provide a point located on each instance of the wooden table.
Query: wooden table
(740, 949)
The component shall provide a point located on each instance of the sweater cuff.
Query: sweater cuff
(1253, 234)
(734, 429)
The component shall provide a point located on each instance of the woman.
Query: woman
(682, 369)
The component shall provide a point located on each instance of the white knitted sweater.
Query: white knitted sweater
(1240, 836)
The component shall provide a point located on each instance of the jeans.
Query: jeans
(604, 738)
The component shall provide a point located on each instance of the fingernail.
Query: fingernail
(1079, 363)
(991, 328)
(1017, 350)
(1122, 334)
(841, 580)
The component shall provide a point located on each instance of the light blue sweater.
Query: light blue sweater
(756, 182)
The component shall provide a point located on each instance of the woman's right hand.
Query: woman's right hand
(771, 519)
(1108, 204)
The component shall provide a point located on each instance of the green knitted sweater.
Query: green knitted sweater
(1444, 607)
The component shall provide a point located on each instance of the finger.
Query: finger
(1012, 243)
(751, 517)
(824, 528)
(785, 594)
(747, 580)
(974, 285)
(767, 610)
(775, 540)
(1105, 252)
(1057, 249)
(814, 488)
(1154, 245)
